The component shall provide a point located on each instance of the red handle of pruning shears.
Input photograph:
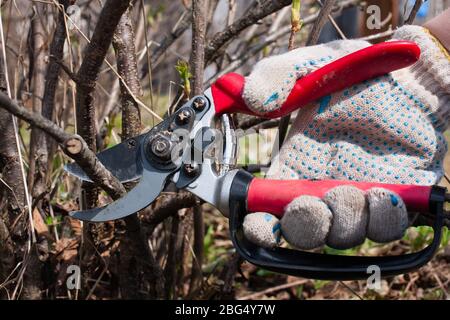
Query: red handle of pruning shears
(273, 196)
(342, 73)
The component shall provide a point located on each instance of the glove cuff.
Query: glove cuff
(429, 78)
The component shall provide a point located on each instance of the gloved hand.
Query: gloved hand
(389, 129)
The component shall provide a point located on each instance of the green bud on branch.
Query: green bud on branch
(296, 23)
(183, 70)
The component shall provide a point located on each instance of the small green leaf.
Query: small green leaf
(318, 284)
(185, 74)
(49, 221)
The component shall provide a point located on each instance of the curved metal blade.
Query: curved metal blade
(122, 161)
(145, 192)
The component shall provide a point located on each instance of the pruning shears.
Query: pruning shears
(183, 150)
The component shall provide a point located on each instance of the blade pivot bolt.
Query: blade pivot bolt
(161, 147)
(199, 104)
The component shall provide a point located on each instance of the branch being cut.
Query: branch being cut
(73, 145)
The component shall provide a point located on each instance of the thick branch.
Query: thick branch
(87, 75)
(53, 69)
(197, 64)
(94, 56)
(168, 205)
(6, 252)
(123, 43)
(197, 61)
(53, 73)
(38, 146)
(9, 158)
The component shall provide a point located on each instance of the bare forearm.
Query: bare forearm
(439, 26)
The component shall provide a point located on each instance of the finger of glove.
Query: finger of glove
(273, 78)
(263, 229)
(388, 215)
(350, 217)
(306, 222)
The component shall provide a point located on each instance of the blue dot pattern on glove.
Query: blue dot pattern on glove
(275, 99)
(276, 230)
(394, 200)
(374, 131)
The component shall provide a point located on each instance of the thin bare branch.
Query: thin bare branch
(260, 11)
(414, 10)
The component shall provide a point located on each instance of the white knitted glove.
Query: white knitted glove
(389, 129)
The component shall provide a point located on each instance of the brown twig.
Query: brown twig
(334, 23)
(414, 11)
(61, 65)
(260, 11)
(169, 204)
(53, 72)
(296, 23)
(38, 144)
(197, 258)
(12, 188)
(320, 22)
(312, 40)
(172, 263)
(197, 64)
(197, 59)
